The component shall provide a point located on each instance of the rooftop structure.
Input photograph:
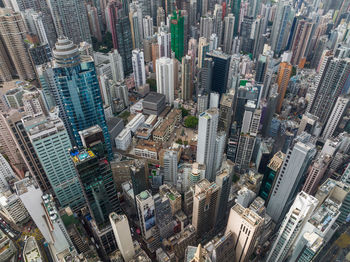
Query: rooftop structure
(31, 251)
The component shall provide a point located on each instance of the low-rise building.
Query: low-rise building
(147, 149)
(136, 122)
(167, 127)
(153, 103)
(123, 140)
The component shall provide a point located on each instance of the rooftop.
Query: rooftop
(153, 97)
(81, 155)
(248, 215)
(31, 250)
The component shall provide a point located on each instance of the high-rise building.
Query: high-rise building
(206, 27)
(136, 24)
(236, 10)
(206, 74)
(116, 62)
(138, 65)
(220, 70)
(336, 115)
(229, 22)
(79, 90)
(170, 166)
(94, 23)
(164, 41)
(165, 78)
(146, 212)
(295, 164)
(205, 204)
(249, 131)
(283, 76)
(246, 227)
(186, 78)
(272, 170)
(302, 208)
(247, 42)
(203, 48)
(177, 34)
(96, 179)
(122, 234)
(300, 43)
(70, 19)
(281, 26)
(147, 27)
(333, 76)
(51, 143)
(207, 132)
(13, 32)
(43, 211)
(226, 112)
(223, 181)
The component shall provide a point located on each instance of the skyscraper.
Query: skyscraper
(300, 42)
(147, 27)
(186, 78)
(330, 82)
(203, 48)
(51, 144)
(295, 164)
(177, 34)
(226, 112)
(281, 26)
(122, 234)
(336, 115)
(138, 65)
(136, 24)
(223, 181)
(298, 214)
(79, 90)
(70, 19)
(206, 27)
(236, 10)
(165, 78)
(207, 131)
(12, 31)
(205, 203)
(170, 166)
(164, 41)
(283, 76)
(246, 226)
(220, 70)
(229, 22)
(146, 212)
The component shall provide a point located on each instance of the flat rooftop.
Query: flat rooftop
(153, 97)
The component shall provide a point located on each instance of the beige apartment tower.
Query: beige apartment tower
(12, 35)
(246, 227)
(205, 203)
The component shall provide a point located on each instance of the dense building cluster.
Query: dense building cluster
(178, 130)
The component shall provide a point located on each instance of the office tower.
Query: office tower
(258, 31)
(147, 26)
(139, 176)
(40, 54)
(218, 21)
(94, 22)
(165, 78)
(13, 31)
(207, 74)
(43, 211)
(70, 19)
(213, 42)
(164, 41)
(249, 131)
(6, 172)
(271, 172)
(121, 33)
(170, 166)
(13, 122)
(281, 26)
(138, 65)
(206, 27)
(186, 78)
(177, 34)
(295, 164)
(226, 112)
(246, 227)
(306, 248)
(136, 24)
(96, 177)
(220, 145)
(236, 10)
(283, 76)
(220, 70)
(269, 112)
(205, 204)
(229, 22)
(247, 42)
(122, 234)
(79, 90)
(116, 62)
(300, 43)
(164, 217)
(145, 210)
(336, 115)
(223, 181)
(203, 48)
(207, 131)
(51, 143)
(302, 208)
(334, 74)
(316, 173)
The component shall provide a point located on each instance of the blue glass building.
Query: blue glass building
(79, 91)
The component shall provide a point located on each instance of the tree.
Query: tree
(179, 141)
(184, 112)
(152, 84)
(191, 122)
